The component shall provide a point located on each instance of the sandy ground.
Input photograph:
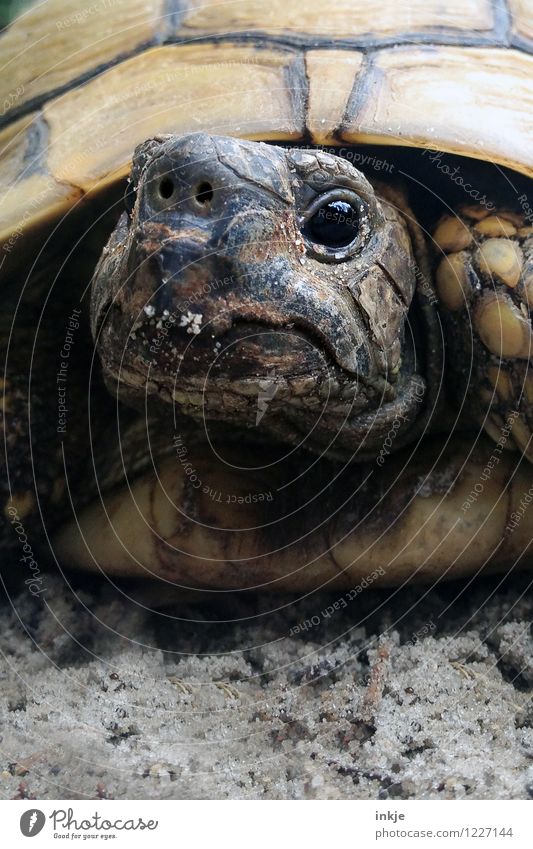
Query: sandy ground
(410, 694)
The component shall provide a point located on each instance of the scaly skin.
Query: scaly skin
(232, 290)
(442, 507)
(484, 281)
(222, 320)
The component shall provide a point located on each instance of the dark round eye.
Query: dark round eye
(130, 196)
(334, 225)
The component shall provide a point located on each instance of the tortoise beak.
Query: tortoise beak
(209, 297)
(215, 248)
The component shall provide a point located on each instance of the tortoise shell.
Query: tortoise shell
(84, 84)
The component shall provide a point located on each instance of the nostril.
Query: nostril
(204, 193)
(166, 188)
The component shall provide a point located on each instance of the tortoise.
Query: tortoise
(268, 277)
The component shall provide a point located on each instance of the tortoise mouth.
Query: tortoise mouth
(305, 348)
(293, 348)
(285, 365)
(326, 408)
(295, 355)
(288, 367)
(257, 370)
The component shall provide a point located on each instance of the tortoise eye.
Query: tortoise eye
(130, 196)
(335, 224)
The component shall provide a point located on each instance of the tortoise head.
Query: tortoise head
(263, 286)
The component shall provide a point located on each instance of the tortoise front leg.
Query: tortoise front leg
(484, 282)
(447, 513)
